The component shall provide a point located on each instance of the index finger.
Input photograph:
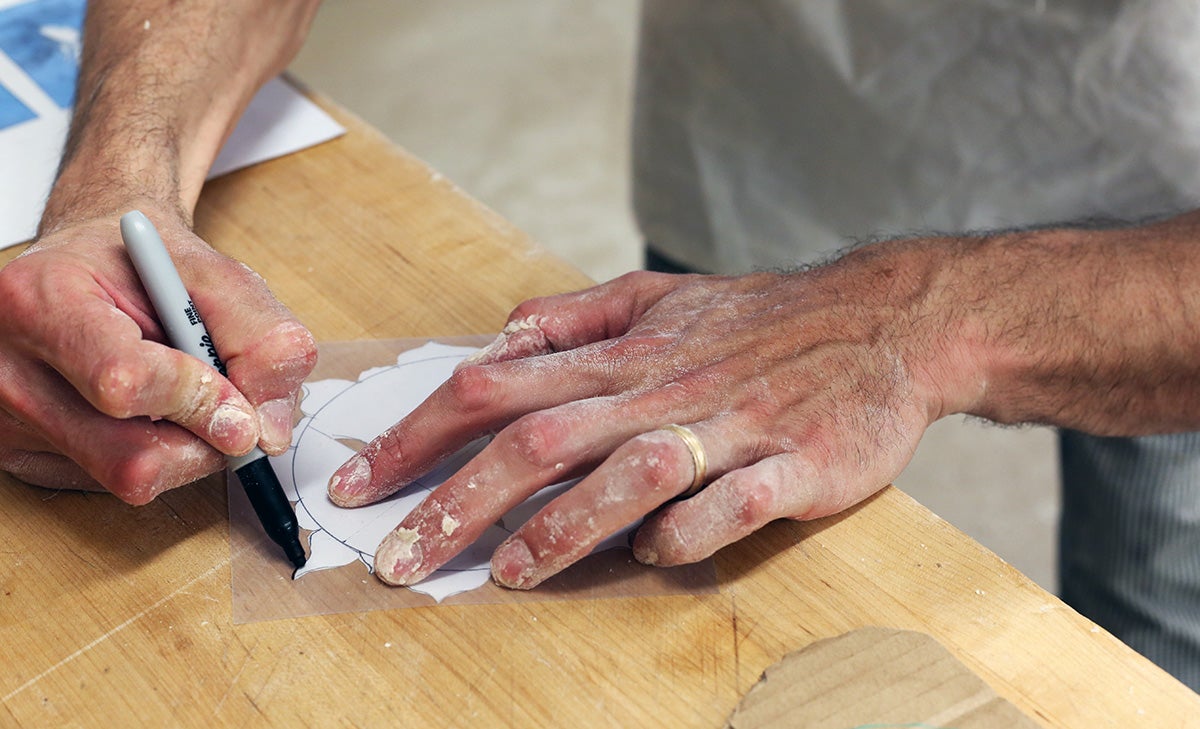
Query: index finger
(476, 400)
(482, 399)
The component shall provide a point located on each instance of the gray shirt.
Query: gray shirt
(773, 132)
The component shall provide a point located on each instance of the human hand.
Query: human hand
(809, 392)
(92, 397)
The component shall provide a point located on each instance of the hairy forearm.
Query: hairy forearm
(161, 86)
(1097, 330)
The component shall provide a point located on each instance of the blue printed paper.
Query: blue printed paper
(12, 111)
(42, 39)
(40, 42)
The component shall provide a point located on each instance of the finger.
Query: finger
(270, 373)
(48, 470)
(150, 379)
(29, 457)
(636, 479)
(475, 401)
(478, 400)
(267, 352)
(18, 436)
(566, 321)
(134, 458)
(732, 507)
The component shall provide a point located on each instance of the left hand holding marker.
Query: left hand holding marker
(803, 400)
(93, 397)
(90, 396)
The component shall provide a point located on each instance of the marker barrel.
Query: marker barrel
(187, 333)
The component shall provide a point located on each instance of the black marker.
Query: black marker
(186, 332)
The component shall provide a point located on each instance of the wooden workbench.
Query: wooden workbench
(113, 616)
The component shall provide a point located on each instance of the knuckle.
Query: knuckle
(386, 449)
(639, 346)
(114, 384)
(15, 282)
(140, 475)
(661, 465)
(628, 363)
(639, 279)
(473, 388)
(536, 439)
(193, 406)
(528, 308)
(811, 445)
(20, 285)
(755, 504)
(135, 479)
(693, 387)
(296, 354)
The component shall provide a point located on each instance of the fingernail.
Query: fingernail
(398, 558)
(350, 480)
(645, 554)
(275, 422)
(229, 423)
(512, 565)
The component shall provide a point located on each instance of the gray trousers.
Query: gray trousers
(1129, 542)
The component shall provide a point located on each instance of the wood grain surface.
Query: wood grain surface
(115, 615)
(877, 678)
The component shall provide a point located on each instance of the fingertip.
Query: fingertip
(348, 485)
(513, 565)
(646, 554)
(275, 419)
(657, 542)
(399, 557)
(232, 429)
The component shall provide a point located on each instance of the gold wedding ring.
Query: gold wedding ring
(699, 458)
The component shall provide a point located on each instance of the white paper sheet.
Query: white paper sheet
(337, 412)
(39, 50)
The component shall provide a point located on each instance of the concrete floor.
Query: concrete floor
(526, 105)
